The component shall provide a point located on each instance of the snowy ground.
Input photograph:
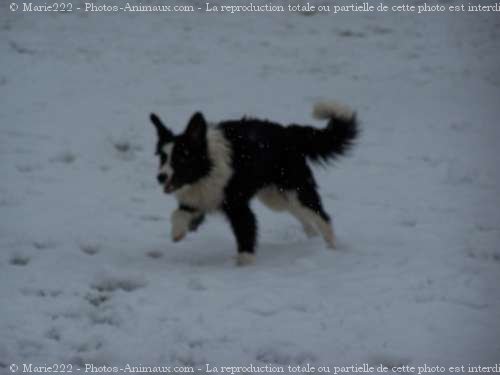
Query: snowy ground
(88, 273)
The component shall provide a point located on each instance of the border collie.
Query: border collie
(221, 167)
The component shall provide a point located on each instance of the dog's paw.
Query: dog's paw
(331, 243)
(310, 231)
(178, 232)
(245, 259)
(180, 225)
(328, 234)
(178, 237)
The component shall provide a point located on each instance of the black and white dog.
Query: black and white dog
(222, 167)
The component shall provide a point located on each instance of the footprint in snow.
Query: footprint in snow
(380, 30)
(27, 168)
(53, 334)
(196, 284)
(44, 244)
(96, 298)
(19, 260)
(351, 34)
(154, 254)
(409, 222)
(150, 217)
(90, 248)
(64, 157)
(39, 292)
(125, 283)
(125, 149)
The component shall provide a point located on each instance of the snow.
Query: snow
(88, 274)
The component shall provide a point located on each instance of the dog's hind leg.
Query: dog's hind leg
(279, 200)
(306, 203)
(273, 198)
(304, 220)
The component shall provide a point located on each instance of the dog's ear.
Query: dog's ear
(197, 128)
(164, 134)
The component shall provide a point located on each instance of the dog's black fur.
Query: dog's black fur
(261, 155)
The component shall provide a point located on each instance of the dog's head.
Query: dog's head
(183, 158)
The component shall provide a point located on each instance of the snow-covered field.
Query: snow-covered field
(88, 273)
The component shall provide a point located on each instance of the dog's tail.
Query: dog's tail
(322, 145)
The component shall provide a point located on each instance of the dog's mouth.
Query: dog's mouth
(168, 187)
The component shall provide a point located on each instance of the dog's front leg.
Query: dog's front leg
(185, 219)
(244, 227)
(181, 220)
(196, 221)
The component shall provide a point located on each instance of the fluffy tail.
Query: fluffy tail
(322, 145)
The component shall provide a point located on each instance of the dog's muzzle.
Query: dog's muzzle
(168, 187)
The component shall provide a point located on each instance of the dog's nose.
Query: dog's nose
(162, 177)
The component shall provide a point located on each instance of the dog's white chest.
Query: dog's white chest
(202, 196)
(207, 194)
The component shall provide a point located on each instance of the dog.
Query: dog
(221, 167)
